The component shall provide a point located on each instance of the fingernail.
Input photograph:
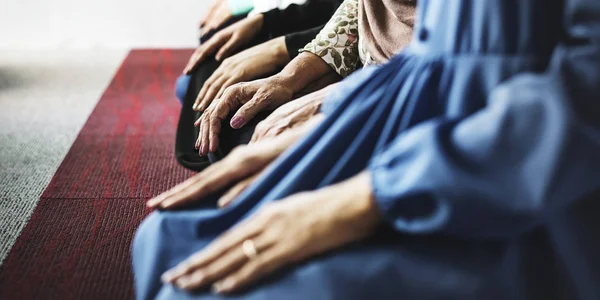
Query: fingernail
(223, 286)
(236, 122)
(167, 277)
(195, 106)
(182, 282)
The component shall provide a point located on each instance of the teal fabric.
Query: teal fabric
(240, 7)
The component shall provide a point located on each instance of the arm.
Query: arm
(534, 150)
(337, 42)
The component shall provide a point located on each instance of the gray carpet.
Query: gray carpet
(45, 98)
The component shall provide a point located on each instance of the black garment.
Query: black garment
(297, 40)
(209, 34)
(187, 134)
(301, 23)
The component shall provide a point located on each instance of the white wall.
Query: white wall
(87, 24)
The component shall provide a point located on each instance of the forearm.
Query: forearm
(303, 70)
(353, 205)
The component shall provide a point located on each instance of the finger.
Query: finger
(248, 111)
(193, 60)
(209, 97)
(245, 230)
(194, 180)
(230, 81)
(208, 48)
(259, 131)
(212, 179)
(265, 263)
(276, 130)
(235, 191)
(213, 133)
(209, 15)
(207, 84)
(204, 128)
(222, 265)
(227, 49)
(198, 124)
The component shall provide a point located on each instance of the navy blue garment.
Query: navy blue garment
(181, 86)
(482, 140)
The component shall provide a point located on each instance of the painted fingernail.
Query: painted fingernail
(236, 122)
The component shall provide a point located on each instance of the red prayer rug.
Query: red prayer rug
(77, 242)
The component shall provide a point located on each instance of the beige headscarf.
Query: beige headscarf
(386, 26)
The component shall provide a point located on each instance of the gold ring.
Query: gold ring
(249, 249)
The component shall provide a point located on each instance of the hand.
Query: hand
(226, 41)
(250, 64)
(217, 15)
(281, 233)
(247, 99)
(243, 163)
(291, 114)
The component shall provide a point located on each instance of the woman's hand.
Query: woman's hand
(279, 234)
(243, 163)
(246, 99)
(217, 15)
(226, 41)
(290, 115)
(250, 64)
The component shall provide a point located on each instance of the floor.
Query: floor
(45, 98)
(56, 59)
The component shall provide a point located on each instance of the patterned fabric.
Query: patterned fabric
(338, 43)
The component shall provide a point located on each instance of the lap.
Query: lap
(387, 266)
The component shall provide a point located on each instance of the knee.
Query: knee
(181, 86)
(148, 231)
(146, 258)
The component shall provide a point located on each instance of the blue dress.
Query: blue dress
(482, 139)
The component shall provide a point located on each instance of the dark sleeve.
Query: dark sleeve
(298, 17)
(297, 40)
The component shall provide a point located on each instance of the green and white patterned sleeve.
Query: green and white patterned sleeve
(337, 42)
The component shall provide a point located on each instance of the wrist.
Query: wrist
(257, 21)
(356, 206)
(279, 51)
